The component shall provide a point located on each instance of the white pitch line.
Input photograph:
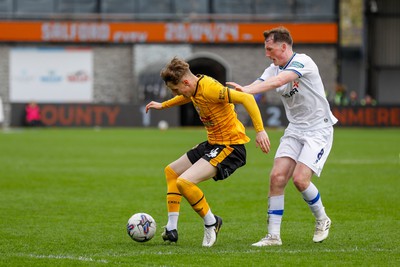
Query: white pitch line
(254, 251)
(62, 257)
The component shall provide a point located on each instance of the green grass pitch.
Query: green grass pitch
(66, 196)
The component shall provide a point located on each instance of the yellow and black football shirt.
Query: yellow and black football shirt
(215, 105)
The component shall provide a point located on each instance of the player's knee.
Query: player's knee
(180, 184)
(170, 174)
(300, 183)
(167, 171)
(277, 179)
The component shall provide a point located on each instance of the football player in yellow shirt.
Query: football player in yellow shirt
(216, 158)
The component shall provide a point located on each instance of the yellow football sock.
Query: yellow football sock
(194, 196)
(173, 195)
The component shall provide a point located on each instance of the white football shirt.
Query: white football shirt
(304, 99)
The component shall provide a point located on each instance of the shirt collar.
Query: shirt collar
(287, 64)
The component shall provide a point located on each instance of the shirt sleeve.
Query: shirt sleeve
(248, 101)
(268, 72)
(175, 101)
(302, 65)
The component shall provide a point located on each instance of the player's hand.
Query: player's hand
(262, 141)
(237, 87)
(154, 105)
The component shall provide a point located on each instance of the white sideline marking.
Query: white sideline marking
(254, 251)
(68, 257)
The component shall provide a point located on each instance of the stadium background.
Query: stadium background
(125, 44)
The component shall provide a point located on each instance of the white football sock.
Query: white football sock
(172, 220)
(209, 219)
(275, 212)
(313, 198)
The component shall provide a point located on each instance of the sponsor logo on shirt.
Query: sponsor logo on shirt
(293, 91)
(296, 64)
(222, 93)
(207, 121)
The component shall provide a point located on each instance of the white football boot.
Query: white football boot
(269, 240)
(211, 232)
(321, 230)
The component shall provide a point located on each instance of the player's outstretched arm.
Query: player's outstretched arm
(249, 103)
(175, 101)
(237, 87)
(153, 105)
(269, 84)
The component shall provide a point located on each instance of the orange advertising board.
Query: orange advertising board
(130, 32)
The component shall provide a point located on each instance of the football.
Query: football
(141, 227)
(163, 125)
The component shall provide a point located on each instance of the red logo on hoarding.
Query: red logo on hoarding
(79, 76)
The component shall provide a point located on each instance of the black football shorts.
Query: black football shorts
(226, 158)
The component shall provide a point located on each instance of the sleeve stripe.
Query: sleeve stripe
(295, 71)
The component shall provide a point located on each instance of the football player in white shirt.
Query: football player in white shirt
(307, 140)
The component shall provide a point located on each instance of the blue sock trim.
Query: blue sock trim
(276, 212)
(313, 200)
